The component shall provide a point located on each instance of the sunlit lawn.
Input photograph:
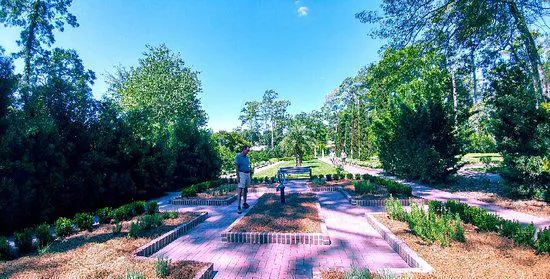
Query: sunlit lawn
(317, 168)
(472, 158)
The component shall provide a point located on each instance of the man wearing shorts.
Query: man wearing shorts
(242, 164)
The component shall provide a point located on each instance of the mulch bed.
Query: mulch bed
(483, 255)
(300, 214)
(98, 254)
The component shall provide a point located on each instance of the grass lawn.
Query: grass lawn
(98, 254)
(483, 255)
(472, 158)
(299, 214)
(317, 167)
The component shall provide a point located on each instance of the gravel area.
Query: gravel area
(97, 254)
(483, 255)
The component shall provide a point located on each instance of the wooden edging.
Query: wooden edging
(205, 272)
(160, 242)
(416, 263)
(275, 237)
(197, 201)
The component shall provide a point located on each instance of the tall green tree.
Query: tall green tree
(39, 19)
(472, 28)
(298, 140)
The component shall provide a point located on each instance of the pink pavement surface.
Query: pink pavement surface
(434, 194)
(354, 242)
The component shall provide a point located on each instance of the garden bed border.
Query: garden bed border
(205, 272)
(416, 263)
(199, 201)
(360, 202)
(160, 242)
(321, 238)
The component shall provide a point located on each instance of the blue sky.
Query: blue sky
(301, 49)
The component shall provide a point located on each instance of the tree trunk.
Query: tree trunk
(28, 51)
(531, 47)
(455, 97)
(474, 76)
(272, 134)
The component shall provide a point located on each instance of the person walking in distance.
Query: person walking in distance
(242, 164)
(343, 157)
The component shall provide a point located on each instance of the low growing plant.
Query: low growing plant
(5, 251)
(147, 222)
(134, 275)
(138, 207)
(328, 177)
(395, 209)
(162, 267)
(84, 221)
(543, 241)
(105, 215)
(63, 227)
(319, 181)
(23, 240)
(349, 176)
(117, 228)
(151, 207)
(43, 235)
(134, 230)
(170, 215)
(357, 176)
(189, 192)
(364, 187)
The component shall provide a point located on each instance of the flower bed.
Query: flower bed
(207, 193)
(296, 222)
(102, 253)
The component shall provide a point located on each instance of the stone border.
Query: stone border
(416, 263)
(262, 189)
(274, 237)
(198, 201)
(205, 272)
(160, 242)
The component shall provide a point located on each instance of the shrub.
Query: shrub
(147, 222)
(162, 267)
(395, 209)
(105, 215)
(124, 212)
(138, 207)
(436, 206)
(84, 221)
(357, 176)
(189, 192)
(43, 235)
(5, 251)
(151, 207)
(266, 179)
(396, 188)
(63, 227)
(339, 170)
(23, 240)
(364, 187)
(134, 275)
(318, 181)
(525, 236)
(117, 228)
(542, 244)
(273, 179)
(365, 176)
(134, 230)
(328, 177)
(170, 215)
(356, 273)
(349, 176)
(255, 180)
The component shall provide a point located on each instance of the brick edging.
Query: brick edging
(262, 189)
(160, 242)
(416, 263)
(321, 238)
(219, 202)
(324, 188)
(378, 202)
(205, 272)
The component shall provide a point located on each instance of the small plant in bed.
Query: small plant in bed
(218, 191)
(378, 188)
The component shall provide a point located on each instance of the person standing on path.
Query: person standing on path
(242, 164)
(343, 157)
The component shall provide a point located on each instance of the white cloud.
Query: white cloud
(303, 11)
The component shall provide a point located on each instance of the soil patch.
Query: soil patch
(98, 254)
(300, 214)
(483, 255)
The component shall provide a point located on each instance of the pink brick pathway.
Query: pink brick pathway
(434, 194)
(354, 242)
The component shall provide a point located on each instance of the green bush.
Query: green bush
(84, 221)
(43, 235)
(314, 177)
(525, 236)
(364, 187)
(162, 267)
(63, 227)
(318, 181)
(189, 192)
(356, 273)
(357, 176)
(267, 179)
(134, 275)
(117, 228)
(395, 188)
(134, 230)
(349, 176)
(147, 222)
(170, 215)
(138, 207)
(151, 207)
(124, 212)
(105, 215)
(23, 240)
(5, 251)
(328, 177)
(542, 244)
(274, 179)
(395, 209)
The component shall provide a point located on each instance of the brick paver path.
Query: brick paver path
(354, 242)
(434, 194)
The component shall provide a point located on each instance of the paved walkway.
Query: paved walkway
(434, 194)
(354, 242)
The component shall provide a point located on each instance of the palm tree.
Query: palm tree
(298, 141)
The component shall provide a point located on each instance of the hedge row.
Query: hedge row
(485, 221)
(64, 227)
